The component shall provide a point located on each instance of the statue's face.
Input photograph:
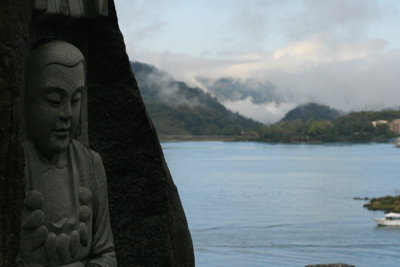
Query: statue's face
(53, 107)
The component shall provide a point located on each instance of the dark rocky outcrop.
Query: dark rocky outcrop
(147, 217)
(14, 19)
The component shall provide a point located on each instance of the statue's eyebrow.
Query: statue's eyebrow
(80, 89)
(52, 89)
(59, 90)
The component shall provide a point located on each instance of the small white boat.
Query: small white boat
(397, 142)
(390, 219)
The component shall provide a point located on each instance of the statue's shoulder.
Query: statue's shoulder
(83, 151)
(93, 164)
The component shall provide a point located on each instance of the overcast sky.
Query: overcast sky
(343, 53)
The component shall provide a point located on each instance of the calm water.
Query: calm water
(255, 204)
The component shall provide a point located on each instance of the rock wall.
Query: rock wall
(14, 19)
(147, 217)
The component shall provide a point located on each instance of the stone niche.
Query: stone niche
(146, 216)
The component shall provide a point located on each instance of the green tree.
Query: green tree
(317, 129)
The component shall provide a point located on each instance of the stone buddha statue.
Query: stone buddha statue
(65, 219)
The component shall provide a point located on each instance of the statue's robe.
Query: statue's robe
(65, 220)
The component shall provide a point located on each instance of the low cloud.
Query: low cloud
(265, 113)
(165, 89)
(309, 50)
(342, 73)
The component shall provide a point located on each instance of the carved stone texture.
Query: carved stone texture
(65, 182)
(147, 218)
(14, 19)
(149, 221)
(64, 12)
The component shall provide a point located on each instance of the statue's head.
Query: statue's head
(54, 84)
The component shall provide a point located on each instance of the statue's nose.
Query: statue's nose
(66, 112)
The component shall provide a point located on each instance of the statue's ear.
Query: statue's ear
(81, 133)
(79, 128)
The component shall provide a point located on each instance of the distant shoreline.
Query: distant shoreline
(229, 138)
(225, 138)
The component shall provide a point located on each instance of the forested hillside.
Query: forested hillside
(177, 109)
(312, 111)
(353, 127)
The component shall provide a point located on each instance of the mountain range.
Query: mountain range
(178, 109)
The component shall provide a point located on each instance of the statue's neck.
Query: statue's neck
(59, 160)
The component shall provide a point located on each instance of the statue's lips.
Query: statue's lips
(61, 132)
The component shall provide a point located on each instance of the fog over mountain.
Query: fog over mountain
(357, 75)
(343, 53)
(177, 109)
(158, 86)
(249, 97)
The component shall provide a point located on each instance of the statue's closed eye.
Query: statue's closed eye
(53, 98)
(76, 97)
(54, 102)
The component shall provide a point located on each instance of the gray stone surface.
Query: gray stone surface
(14, 19)
(53, 97)
(66, 12)
(147, 217)
(65, 219)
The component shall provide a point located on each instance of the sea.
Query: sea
(262, 204)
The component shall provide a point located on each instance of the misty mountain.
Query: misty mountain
(312, 111)
(235, 89)
(177, 109)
